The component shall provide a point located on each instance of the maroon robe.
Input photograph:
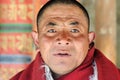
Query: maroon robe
(106, 69)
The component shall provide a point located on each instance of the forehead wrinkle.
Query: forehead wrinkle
(68, 18)
(59, 16)
(62, 18)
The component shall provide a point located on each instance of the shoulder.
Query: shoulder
(106, 68)
(103, 61)
(17, 76)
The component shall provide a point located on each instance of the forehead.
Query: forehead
(63, 11)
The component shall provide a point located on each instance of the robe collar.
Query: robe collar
(84, 71)
(105, 68)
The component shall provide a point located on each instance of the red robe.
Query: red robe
(106, 69)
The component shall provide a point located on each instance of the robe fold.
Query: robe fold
(105, 68)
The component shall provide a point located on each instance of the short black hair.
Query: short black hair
(68, 2)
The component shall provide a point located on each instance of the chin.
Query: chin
(63, 71)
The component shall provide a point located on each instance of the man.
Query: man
(65, 46)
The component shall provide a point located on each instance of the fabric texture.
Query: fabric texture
(48, 73)
(106, 69)
(49, 76)
(95, 73)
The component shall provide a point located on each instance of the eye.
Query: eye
(52, 31)
(74, 31)
(74, 23)
(51, 24)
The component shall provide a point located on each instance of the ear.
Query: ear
(35, 38)
(91, 37)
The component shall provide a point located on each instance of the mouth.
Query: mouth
(62, 54)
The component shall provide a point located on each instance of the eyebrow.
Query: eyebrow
(62, 17)
(51, 18)
(74, 22)
(51, 23)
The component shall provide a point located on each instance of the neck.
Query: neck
(55, 76)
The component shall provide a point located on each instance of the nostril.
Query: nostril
(62, 42)
(58, 39)
(59, 43)
(67, 43)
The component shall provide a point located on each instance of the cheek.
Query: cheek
(45, 44)
(45, 40)
(82, 46)
(81, 40)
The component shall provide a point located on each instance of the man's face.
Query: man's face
(63, 38)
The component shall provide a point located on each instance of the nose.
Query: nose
(63, 38)
(63, 42)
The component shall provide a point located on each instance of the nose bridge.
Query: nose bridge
(64, 34)
(63, 38)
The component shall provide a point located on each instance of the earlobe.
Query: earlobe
(35, 38)
(91, 37)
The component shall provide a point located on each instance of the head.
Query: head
(63, 36)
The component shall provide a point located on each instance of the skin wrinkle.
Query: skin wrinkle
(59, 33)
(54, 14)
(40, 18)
(62, 25)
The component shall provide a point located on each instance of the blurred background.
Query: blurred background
(17, 20)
